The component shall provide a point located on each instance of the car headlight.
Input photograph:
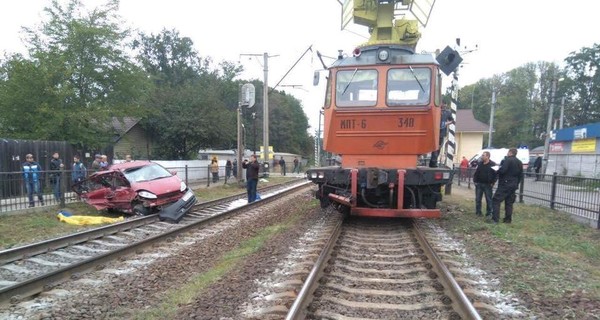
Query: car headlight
(321, 175)
(182, 186)
(313, 175)
(147, 195)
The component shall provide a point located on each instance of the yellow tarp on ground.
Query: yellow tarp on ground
(85, 220)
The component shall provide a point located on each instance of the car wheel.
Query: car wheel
(140, 210)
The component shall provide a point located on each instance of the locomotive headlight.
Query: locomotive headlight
(383, 55)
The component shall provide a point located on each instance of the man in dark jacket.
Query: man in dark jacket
(537, 165)
(56, 165)
(484, 179)
(252, 168)
(509, 176)
(282, 165)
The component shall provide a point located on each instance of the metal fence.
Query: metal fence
(578, 196)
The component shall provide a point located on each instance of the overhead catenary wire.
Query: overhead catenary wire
(292, 67)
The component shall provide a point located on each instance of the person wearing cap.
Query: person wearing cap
(96, 163)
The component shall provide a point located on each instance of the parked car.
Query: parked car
(138, 187)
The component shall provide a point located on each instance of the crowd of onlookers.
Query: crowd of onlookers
(32, 174)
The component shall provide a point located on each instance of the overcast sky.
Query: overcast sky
(508, 33)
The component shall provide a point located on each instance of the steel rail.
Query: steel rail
(298, 308)
(464, 306)
(36, 285)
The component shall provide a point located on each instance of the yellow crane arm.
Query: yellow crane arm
(389, 22)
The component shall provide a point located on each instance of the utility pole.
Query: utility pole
(240, 146)
(266, 107)
(318, 142)
(492, 118)
(549, 127)
(562, 112)
(265, 101)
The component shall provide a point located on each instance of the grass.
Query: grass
(38, 225)
(542, 252)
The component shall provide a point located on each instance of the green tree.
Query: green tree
(191, 105)
(581, 86)
(82, 75)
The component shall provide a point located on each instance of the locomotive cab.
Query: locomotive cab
(382, 111)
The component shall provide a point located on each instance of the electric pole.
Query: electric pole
(265, 101)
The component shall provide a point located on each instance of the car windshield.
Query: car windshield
(146, 173)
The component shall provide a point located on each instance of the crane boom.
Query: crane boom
(389, 21)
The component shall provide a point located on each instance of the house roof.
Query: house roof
(122, 126)
(125, 125)
(466, 122)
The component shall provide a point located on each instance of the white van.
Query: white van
(497, 155)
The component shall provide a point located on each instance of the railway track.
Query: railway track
(363, 269)
(380, 269)
(28, 270)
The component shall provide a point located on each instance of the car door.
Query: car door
(105, 190)
(121, 194)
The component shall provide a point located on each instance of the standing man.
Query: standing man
(509, 176)
(31, 177)
(484, 179)
(537, 165)
(296, 165)
(56, 165)
(103, 162)
(214, 169)
(79, 171)
(128, 158)
(96, 163)
(252, 168)
(235, 168)
(282, 165)
(464, 165)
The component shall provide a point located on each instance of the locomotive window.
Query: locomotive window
(410, 86)
(356, 88)
(328, 92)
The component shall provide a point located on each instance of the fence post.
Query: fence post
(186, 175)
(208, 175)
(521, 187)
(553, 192)
(61, 187)
(448, 188)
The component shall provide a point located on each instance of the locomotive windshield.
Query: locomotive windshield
(356, 88)
(408, 86)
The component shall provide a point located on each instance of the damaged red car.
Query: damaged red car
(138, 187)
